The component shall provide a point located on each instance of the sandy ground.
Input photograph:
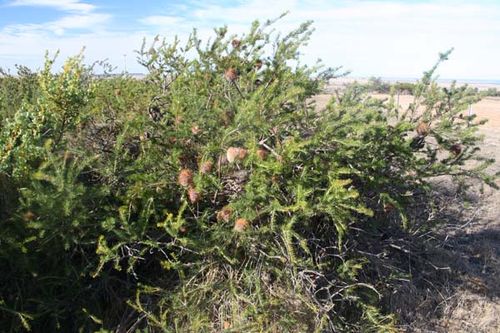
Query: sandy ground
(472, 302)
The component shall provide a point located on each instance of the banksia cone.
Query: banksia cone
(240, 225)
(258, 64)
(423, 129)
(231, 74)
(224, 214)
(29, 216)
(388, 207)
(456, 149)
(195, 130)
(194, 196)
(206, 167)
(234, 154)
(262, 153)
(236, 43)
(185, 177)
(242, 153)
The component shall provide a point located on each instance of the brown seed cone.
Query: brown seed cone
(456, 149)
(206, 167)
(185, 177)
(195, 130)
(231, 74)
(194, 196)
(242, 153)
(262, 153)
(388, 207)
(236, 154)
(236, 43)
(224, 214)
(232, 154)
(423, 129)
(29, 216)
(240, 225)
(258, 64)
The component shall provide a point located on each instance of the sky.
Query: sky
(392, 38)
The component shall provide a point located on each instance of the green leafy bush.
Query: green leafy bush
(212, 195)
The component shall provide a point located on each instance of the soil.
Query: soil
(464, 293)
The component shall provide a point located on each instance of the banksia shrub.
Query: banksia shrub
(138, 230)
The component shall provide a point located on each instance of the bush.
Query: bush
(405, 88)
(211, 195)
(377, 85)
(491, 92)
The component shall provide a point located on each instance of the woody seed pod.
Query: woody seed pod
(258, 64)
(224, 214)
(231, 74)
(242, 153)
(194, 196)
(456, 149)
(262, 153)
(423, 129)
(236, 43)
(240, 225)
(185, 177)
(388, 207)
(206, 167)
(235, 153)
(29, 216)
(195, 129)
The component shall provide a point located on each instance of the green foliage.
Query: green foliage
(491, 92)
(212, 195)
(376, 84)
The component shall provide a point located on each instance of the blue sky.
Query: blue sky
(382, 38)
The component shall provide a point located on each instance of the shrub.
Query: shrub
(491, 92)
(377, 85)
(212, 195)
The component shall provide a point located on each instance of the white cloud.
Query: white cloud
(158, 20)
(58, 27)
(64, 5)
(80, 15)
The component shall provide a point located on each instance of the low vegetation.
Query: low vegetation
(212, 196)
